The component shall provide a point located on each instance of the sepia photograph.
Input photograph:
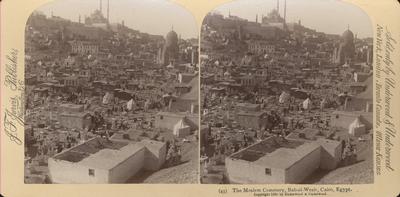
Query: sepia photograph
(286, 93)
(189, 98)
(111, 93)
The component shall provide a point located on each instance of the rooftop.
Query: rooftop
(269, 145)
(368, 93)
(75, 114)
(305, 134)
(109, 158)
(251, 113)
(92, 146)
(247, 105)
(72, 106)
(193, 93)
(105, 154)
(176, 114)
(276, 152)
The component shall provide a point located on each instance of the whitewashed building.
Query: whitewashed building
(100, 160)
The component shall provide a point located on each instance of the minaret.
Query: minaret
(108, 11)
(256, 18)
(277, 5)
(101, 9)
(79, 19)
(284, 12)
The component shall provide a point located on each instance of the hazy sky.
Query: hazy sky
(149, 16)
(158, 16)
(329, 16)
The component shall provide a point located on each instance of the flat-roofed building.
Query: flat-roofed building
(248, 107)
(361, 77)
(277, 160)
(343, 119)
(75, 120)
(189, 101)
(168, 120)
(250, 80)
(261, 47)
(100, 160)
(186, 77)
(68, 107)
(84, 47)
(251, 119)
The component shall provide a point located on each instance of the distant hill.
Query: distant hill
(70, 29)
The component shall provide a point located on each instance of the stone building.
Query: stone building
(251, 119)
(168, 120)
(104, 161)
(278, 160)
(84, 47)
(260, 47)
(75, 120)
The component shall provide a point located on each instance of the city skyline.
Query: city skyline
(132, 12)
(346, 15)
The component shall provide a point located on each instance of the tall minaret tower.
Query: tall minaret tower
(108, 11)
(284, 15)
(284, 12)
(277, 5)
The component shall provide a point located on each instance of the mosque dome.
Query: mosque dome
(171, 38)
(346, 50)
(171, 48)
(347, 37)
